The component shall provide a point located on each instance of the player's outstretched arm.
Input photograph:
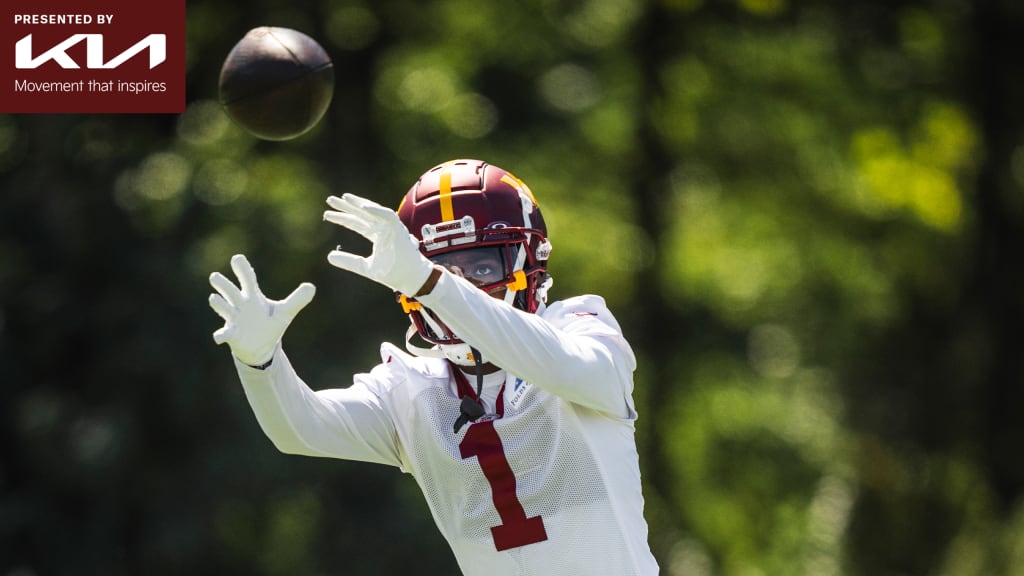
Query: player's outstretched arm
(575, 349)
(345, 423)
(253, 323)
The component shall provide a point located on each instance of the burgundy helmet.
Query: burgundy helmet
(469, 205)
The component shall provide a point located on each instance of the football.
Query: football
(276, 83)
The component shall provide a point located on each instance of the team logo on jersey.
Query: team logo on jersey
(519, 390)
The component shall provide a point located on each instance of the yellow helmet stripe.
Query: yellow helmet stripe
(447, 211)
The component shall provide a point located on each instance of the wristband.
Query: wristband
(263, 366)
(428, 285)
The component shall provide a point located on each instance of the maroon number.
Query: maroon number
(516, 529)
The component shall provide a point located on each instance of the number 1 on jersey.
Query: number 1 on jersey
(516, 529)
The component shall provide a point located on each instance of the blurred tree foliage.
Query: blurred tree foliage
(804, 214)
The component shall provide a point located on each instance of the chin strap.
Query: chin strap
(472, 408)
(420, 350)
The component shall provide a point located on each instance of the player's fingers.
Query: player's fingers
(353, 222)
(226, 288)
(221, 307)
(298, 299)
(338, 203)
(359, 201)
(224, 334)
(347, 203)
(245, 273)
(369, 207)
(348, 261)
(370, 211)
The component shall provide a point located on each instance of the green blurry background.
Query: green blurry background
(805, 215)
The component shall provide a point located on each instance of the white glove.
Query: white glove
(396, 261)
(253, 324)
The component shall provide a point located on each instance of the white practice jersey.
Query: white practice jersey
(547, 483)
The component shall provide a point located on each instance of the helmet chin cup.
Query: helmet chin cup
(460, 354)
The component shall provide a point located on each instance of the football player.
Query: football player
(514, 416)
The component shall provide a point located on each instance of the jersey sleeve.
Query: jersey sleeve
(351, 423)
(574, 348)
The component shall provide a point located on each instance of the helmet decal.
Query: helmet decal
(525, 196)
(519, 185)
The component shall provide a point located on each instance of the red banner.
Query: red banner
(92, 56)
